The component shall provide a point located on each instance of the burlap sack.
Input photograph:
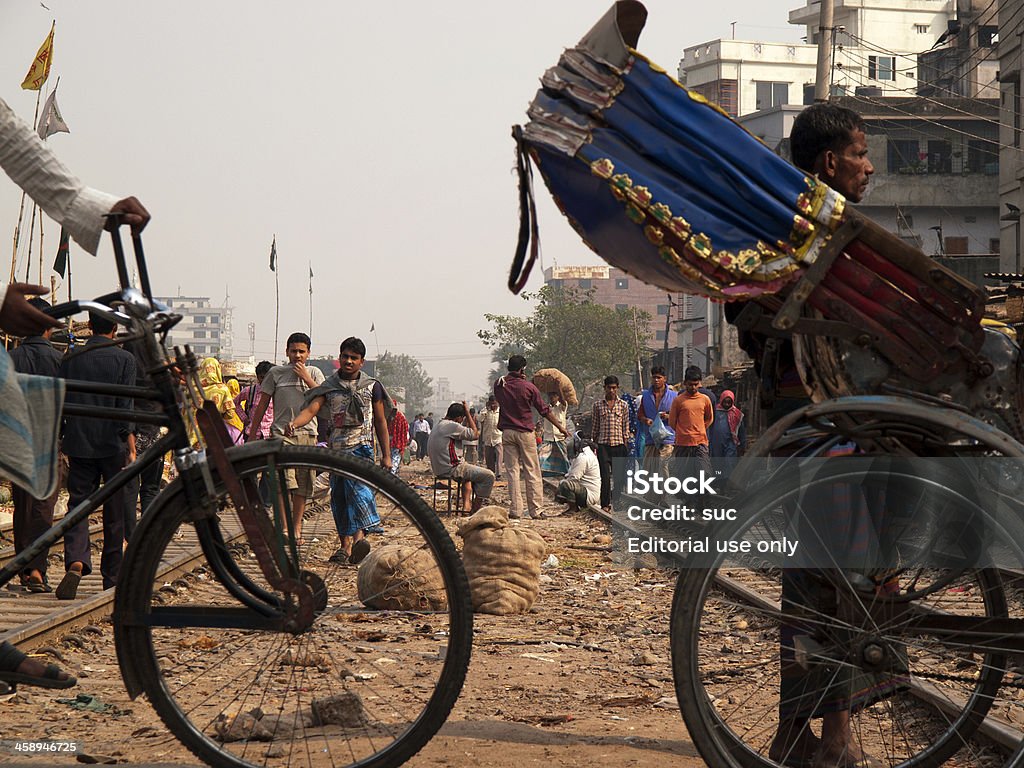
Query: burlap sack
(501, 561)
(401, 578)
(553, 380)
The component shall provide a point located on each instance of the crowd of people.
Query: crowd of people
(285, 401)
(522, 435)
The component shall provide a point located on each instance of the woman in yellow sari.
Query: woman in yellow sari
(219, 392)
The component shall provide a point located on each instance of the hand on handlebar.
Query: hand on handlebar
(132, 213)
(20, 318)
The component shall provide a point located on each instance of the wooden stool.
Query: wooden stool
(447, 489)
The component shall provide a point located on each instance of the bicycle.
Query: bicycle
(925, 647)
(251, 656)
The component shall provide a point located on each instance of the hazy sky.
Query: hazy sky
(372, 138)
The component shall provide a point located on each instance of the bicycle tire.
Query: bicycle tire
(721, 643)
(177, 667)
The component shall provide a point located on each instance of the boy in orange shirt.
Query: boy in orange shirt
(690, 416)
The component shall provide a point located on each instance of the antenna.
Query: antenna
(227, 335)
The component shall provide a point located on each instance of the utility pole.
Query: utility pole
(668, 327)
(823, 75)
(636, 349)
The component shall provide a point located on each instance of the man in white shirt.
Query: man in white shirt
(420, 433)
(582, 484)
(33, 167)
(490, 436)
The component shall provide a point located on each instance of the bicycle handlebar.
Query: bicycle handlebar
(114, 223)
(69, 308)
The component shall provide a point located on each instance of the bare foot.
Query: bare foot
(795, 745)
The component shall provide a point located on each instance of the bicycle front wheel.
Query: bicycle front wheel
(367, 684)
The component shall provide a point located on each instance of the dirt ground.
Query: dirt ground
(583, 679)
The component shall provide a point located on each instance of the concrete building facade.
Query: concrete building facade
(1011, 166)
(883, 48)
(202, 326)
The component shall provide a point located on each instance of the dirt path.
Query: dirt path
(583, 679)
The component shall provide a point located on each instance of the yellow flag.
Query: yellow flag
(40, 69)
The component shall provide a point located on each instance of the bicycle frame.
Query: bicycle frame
(146, 320)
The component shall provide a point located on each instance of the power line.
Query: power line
(860, 60)
(1006, 24)
(945, 105)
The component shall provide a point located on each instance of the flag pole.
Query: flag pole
(45, 61)
(311, 300)
(32, 225)
(40, 280)
(277, 292)
(31, 233)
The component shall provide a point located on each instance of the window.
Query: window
(982, 157)
(956, 246)
(200, 334)
(659, 335)
(988, 36)
(771, 94)
(1015, 110)
(584, 283)
(922, 29)
(970, 219)
(993, 245)
(621, 307)
(556, 283)
(199, 319)
(622, 283)
(663, 309)
(940, 156)
(214, 334)
(902, 155)
(882, 67)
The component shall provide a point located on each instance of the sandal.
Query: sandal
(68, 587)
(12, 658)
(36, 584)
(340, 557)
(359, 551)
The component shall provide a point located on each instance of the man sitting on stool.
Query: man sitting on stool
(443, 449)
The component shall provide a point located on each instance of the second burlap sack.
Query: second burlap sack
(502, 562)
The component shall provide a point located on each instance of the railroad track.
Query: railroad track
(33, 619)
(1000, 731)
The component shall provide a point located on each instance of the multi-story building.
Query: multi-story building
(1011, 165)
(936, 166)
(936, 172)
(202, 326)
(882, 48)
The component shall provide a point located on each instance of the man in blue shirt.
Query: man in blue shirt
(655, 404)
